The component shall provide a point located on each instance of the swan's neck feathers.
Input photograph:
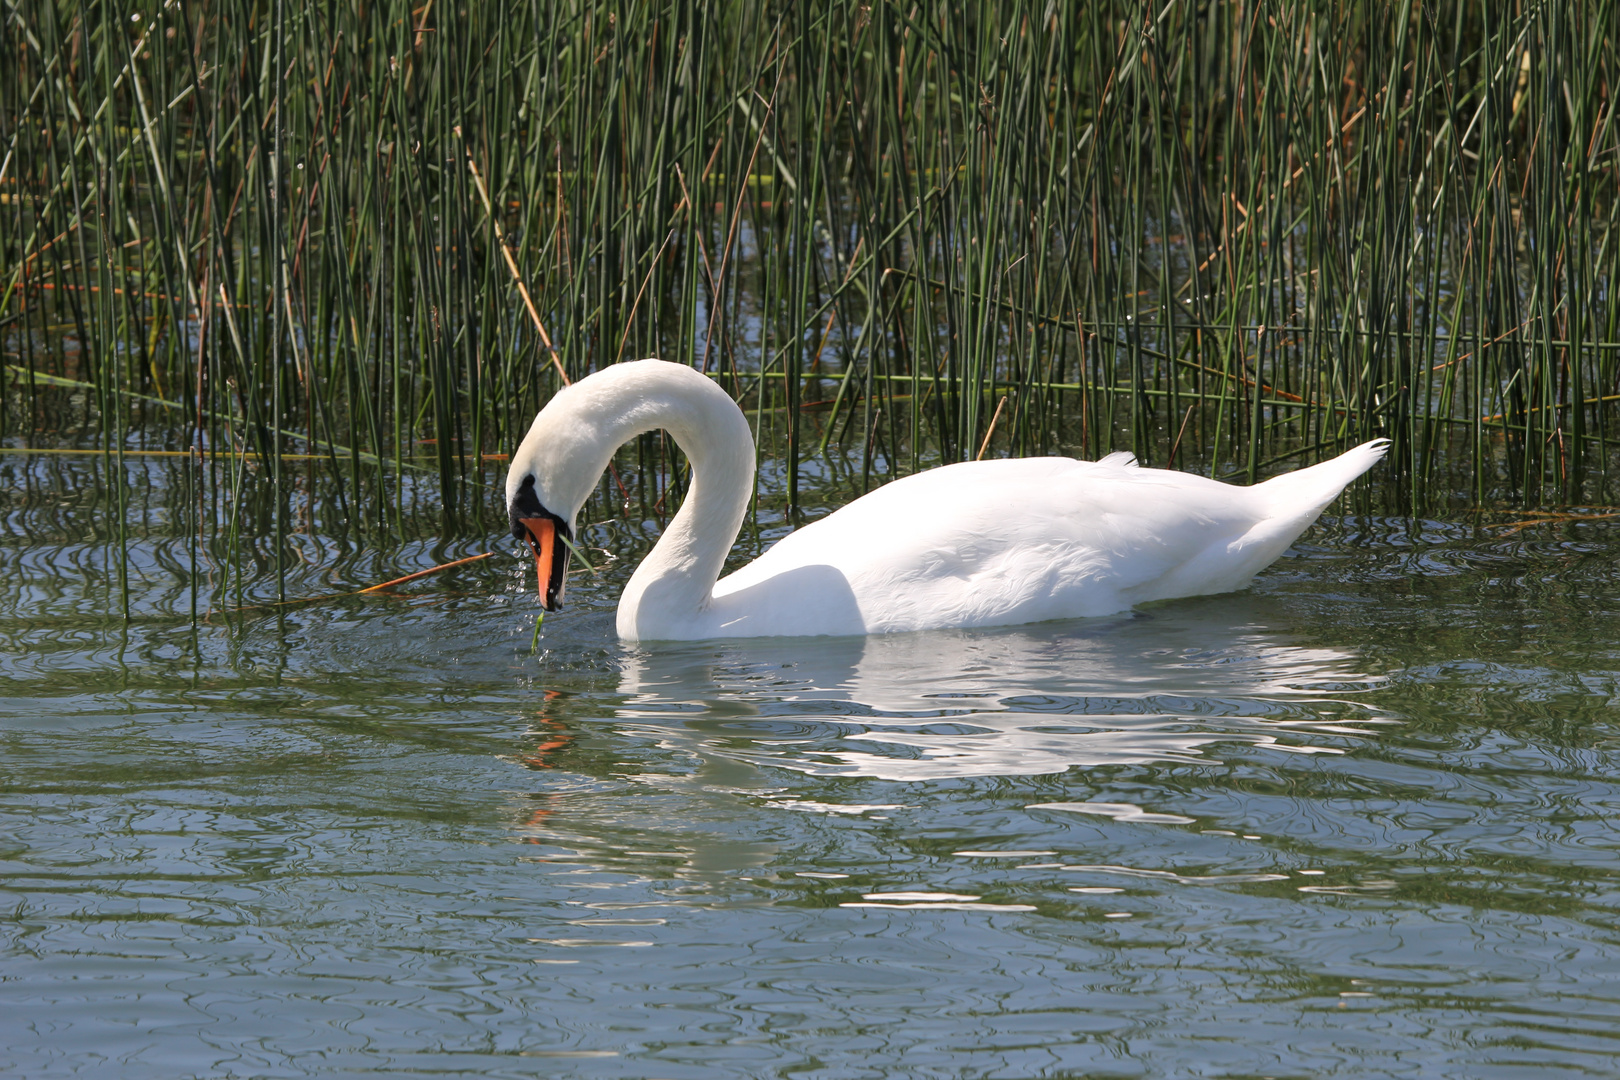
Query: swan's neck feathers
(574, 438)
(672, 589)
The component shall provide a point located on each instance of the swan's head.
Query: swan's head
(551, 475)
(547, 534)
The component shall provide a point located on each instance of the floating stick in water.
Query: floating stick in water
(420, 573)
(359, 592)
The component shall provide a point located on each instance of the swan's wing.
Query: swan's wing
(1012, 541)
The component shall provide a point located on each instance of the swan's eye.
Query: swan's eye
(524, 503)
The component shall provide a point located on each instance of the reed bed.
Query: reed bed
(329, 252)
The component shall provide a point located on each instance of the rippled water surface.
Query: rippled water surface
(1357, 821)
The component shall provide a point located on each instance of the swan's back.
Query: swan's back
(1023, 540)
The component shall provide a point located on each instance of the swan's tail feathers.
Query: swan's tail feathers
(1122, 458)
(1310, 490)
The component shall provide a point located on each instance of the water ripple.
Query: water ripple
(1355, 821)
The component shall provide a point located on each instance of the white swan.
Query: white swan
(981, 543)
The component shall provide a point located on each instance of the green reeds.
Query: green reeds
(1244, 235)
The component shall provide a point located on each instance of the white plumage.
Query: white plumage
(983, 543)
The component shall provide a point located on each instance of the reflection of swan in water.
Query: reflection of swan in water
(1153, 688)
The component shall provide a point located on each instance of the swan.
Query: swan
(980, 543)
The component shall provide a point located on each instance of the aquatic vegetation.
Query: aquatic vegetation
(336, 252)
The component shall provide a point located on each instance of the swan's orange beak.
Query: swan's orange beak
(549, 567)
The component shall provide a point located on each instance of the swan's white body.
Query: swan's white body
(983, 543)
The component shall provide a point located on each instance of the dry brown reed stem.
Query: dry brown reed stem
(991, 430)
(528, 302)
(421, 573)
(1550, 518)
(1170, 461)
(511, 265)
(357, 592)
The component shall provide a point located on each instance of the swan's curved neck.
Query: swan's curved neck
(572, 441)
(674, 585)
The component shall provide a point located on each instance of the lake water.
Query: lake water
(1356, 821)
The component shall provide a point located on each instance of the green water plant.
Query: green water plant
(342, 252)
